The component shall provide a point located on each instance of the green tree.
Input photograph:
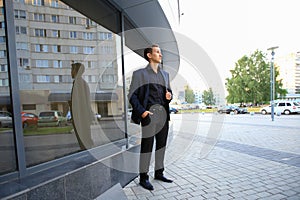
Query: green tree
(250, 81)
(208, 97)
(189, 94)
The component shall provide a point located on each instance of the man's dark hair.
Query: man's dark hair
(149, 50)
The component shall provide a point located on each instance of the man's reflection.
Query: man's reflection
(82, 115)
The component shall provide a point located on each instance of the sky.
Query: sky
(229, 29)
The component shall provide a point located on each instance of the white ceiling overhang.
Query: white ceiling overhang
(144, 23)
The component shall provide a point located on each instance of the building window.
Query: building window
(93, 79)
(4, 82)
(55, 18)
(58, 79)
(88, 50)
(21, 30)
(2, 39)
(24, 78)
(23, 62)
(20, 14)
(72, 20)
(3, 53)
(43, 79)
(39, 17)
(67, 79)
(40, 33)
(88, 36)
(105, 36)
(42, 63)
(56, 33)
(73, 34)
(106, 50)
(90, 23)
(38, 2)
(57, 64)
(3, 68)
(73, 49)
(108, 78)
(91, 64)
(20, 1)
(41, 48)
(56, 48)
(29, 106)
(107, 64)
(22, 46)
(54, 3)
(2, 25)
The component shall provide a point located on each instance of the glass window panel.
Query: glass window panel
(54, 3)
(55, 18)
(7, 143)
(46, 83)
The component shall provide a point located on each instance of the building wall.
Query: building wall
(289, 72)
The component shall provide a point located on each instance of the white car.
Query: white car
(282, 107)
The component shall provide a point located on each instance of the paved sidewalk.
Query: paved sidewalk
(253, 158)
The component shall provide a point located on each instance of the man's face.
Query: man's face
(155, 56)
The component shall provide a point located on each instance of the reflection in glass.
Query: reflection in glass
(81, 112)
(45, 55)
(7, 147)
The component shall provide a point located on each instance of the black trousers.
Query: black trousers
(153, 126)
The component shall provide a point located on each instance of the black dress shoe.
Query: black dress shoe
(164, 179)
(146, 184)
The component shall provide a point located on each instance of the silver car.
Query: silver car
(52, 118)
(5, 119)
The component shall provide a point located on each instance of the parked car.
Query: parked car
(282, 107)
(69, 116)
(232, 108)
(173, 110)
(51, 118)
(29, 119)
(5, 119)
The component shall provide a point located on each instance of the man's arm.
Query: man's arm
(169, 94)
(134, 91)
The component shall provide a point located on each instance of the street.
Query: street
(213, 156)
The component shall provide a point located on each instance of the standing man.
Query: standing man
(150, 95)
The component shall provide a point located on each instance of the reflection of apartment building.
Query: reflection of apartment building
(49, 37)
(289, 69)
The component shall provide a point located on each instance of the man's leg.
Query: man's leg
(145, 156)
(161, 141)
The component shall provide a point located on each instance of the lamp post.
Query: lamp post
(272, 81)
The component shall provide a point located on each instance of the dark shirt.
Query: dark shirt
(157, 87)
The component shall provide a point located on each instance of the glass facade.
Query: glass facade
(7, 142)
(61, 113)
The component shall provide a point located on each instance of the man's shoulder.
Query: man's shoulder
(164, 73)
(138, 71)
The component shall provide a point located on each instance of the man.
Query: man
(150, 95)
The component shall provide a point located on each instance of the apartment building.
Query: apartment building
(50, 36)
(289, 72)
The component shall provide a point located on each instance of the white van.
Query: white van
(282, 107)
